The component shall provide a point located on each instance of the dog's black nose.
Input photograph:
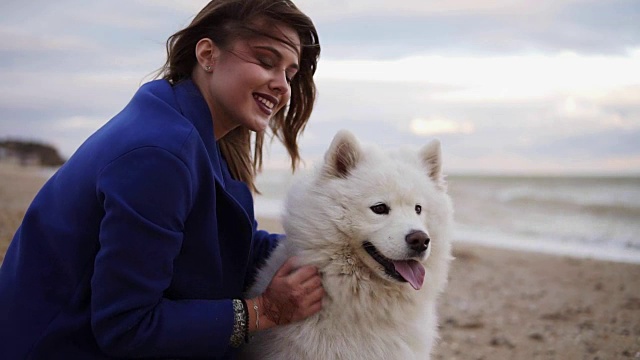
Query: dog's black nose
(418, 241)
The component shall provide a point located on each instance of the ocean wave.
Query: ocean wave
(585, 217)
(611, 251)
(617, 202)
(268, 207)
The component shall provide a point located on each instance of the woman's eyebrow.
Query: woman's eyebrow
(276, 53)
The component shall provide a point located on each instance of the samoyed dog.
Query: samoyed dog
(377, 225)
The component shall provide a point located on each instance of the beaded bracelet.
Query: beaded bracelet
(246, 321)
(240, 332)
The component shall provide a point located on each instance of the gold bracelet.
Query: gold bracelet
(255, 307)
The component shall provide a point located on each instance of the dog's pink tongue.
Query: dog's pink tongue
(412, 271)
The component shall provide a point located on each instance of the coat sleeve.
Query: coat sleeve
(262, 247)
(147, 195)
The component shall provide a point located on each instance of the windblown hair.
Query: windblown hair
(224, 21)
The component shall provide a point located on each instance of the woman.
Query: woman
(143, 243)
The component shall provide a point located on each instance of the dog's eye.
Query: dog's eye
(380, 209)
(418, 209)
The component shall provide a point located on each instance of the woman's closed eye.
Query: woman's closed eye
(269, 64)
(266, 62)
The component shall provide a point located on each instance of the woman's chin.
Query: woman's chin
(260, 125)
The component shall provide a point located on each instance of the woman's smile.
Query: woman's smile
(265, 102)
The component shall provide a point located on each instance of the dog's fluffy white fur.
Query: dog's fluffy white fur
(328, 217)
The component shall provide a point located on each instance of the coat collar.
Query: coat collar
(194, 107)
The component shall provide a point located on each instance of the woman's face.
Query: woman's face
(250, 81)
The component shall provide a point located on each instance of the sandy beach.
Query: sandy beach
(18, 187)
(499, 304)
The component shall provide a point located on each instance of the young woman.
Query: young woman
(143, 243)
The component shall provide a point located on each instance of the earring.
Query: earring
(207, 68)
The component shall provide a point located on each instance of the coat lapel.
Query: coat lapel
(195, 109)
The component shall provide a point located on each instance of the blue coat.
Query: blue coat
(136, 245)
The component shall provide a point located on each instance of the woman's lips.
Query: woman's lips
(265, 102)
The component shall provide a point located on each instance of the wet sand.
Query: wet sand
(499, 304)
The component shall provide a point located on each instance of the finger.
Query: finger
(311, 296)
(312, 282)
(314, 296)
(303, 274)
(314, 308)
(287, 267)
(309, 310)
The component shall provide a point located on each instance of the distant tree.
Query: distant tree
(26, 152)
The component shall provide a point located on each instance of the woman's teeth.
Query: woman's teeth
(266, 102)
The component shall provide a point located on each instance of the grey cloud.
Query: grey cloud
(534, 128)
(598, 145)
(96, 72)
(53, 124)
(584, 27)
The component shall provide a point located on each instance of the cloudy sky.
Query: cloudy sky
(519, 86)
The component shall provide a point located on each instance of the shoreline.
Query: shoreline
(574, 250)
(577, 251)
(499, 303)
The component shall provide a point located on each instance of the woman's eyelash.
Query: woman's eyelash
(269, 64)
(265, 62)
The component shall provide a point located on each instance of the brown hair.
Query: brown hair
(223, 21)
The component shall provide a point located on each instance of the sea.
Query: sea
(577, 216)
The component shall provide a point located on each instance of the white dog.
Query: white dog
(377, 225)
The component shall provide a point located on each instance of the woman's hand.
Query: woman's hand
(293, 294)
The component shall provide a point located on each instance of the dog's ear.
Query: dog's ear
(343, 155)
(431, 157)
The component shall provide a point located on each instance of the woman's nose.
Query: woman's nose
(279, 82)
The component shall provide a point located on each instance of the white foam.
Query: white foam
(520, 242)
(267, 207)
